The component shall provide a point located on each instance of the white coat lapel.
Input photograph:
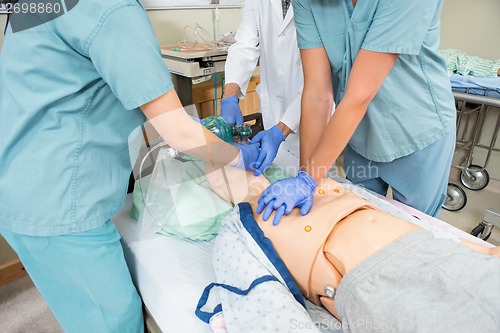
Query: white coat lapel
(288, 17)
(278, 10)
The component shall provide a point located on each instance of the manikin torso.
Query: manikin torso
(349, 230)
(354, 238)
(340, 231)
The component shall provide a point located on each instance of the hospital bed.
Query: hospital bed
(475, 98)
(171, 273)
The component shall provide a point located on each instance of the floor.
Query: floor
(477, 204)
(22, 309)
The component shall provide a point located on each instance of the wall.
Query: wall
(471, 26)
(169, 24)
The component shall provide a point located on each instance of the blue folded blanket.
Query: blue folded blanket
(476, 85)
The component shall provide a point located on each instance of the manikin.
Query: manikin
(356, 260)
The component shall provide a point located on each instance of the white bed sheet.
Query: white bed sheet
(171, 273)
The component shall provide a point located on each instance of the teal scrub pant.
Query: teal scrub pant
(419, 180)
(83, 278)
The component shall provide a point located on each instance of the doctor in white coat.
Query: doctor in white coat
(267, 31)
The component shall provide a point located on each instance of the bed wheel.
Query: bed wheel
(456, 198)
(478, 231)
(473, 178)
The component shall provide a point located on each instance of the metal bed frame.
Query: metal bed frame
(471, 115)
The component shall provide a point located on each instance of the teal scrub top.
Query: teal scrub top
(69, 95)
(414, 107)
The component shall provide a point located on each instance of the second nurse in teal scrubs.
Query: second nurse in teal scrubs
(379, 61)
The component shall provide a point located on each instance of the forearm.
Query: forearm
(314, 119)
(291, 116)
(316, 102)
(284, 129)
(367, 75)
(335, 136)
(231, 89)
(177, 129)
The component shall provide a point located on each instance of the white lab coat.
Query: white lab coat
(264, 34)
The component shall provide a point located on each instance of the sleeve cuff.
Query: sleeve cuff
(291, 117)
(392, 49)
(152, 95)
(293, 125)
(310, 45)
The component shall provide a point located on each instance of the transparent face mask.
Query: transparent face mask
(178, 198)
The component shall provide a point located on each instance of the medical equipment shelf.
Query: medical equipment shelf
(471, 116)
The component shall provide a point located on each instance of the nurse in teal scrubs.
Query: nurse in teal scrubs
(71, 94)
(378, 60)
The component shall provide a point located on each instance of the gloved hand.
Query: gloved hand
(270, 141)
(248, 155)
(286, 194)
(198, 120)
(230, 110)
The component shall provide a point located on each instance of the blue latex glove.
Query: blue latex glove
(270, 141)
(230, 110)
(198, 120)
(248, 155)
(286, 194)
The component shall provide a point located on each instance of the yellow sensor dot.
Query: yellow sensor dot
(336, 190)
(307, 228)
(321, 192)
